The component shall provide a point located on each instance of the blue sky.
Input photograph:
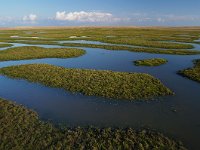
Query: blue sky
(96, 12)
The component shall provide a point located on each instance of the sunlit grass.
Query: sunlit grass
(147, 37)
(192, 73)
(117, 85)
(21, 129)
(150, 62)
(33, 52)
(146, 43)
(110, 47)
(134, 49)
(5, 45)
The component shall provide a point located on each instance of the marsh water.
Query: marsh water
(176, 116)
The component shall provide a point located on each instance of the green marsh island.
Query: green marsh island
(192, 73)
(5, 45)
(33, 52)
(150, 62)
(108, 84)
(135, 49)
(21, 128)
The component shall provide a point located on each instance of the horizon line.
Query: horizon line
(98, 26)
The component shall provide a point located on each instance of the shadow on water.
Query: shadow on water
(176, 116)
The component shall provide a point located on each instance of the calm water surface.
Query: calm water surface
(176, 116)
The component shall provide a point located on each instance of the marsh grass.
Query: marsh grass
(147, 43)
(150, 62)
(118, 40)
(110, 47)
(36, 42)
(134, 49)
(192, 73)
(33, 52)
(147, 37)
(109, 84)
(5, 45)
(21, 129)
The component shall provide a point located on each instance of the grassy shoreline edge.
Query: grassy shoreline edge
(135, 49)
(150, 62)
(3, 45)
(21, 128)
(33, 52)
(108, 84)
(192, 73)
(118, 47)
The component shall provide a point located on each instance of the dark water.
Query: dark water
(176, 116)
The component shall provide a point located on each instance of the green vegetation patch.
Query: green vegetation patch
(21, 129)
(150, 62)
(32, 52)
(150, 40)
(107, 84)
(36, 42)
(192, 73)
(134, 49)
(5, 45)
(147, 43)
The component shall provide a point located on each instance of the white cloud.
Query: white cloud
(83, 16)
(30, 18)
(101, 18)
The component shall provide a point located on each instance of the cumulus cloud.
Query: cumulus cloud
(83, 16)
(30, 18)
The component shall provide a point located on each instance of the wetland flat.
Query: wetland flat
(173, 115)
(150, 62)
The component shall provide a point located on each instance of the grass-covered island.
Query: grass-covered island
(109, 84)
(21, 129)
(33, 52)
(135, 49)
(192, 73)
(151, 62)
(2, 45)
(174, 51)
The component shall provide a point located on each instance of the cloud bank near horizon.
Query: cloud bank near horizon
(100, 18)
(30, 19)
(83, 16)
